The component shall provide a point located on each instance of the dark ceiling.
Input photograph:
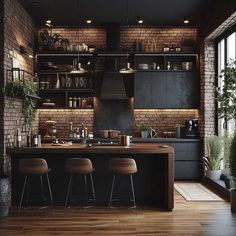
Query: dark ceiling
(158, 12)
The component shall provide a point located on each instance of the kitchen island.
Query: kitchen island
(154, 181)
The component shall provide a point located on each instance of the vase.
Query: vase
(4, 186)
(213, 174)
(144, 134)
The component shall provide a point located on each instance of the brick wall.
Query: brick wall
(128, 34)
(1, 85)
(221, 17)
(89, 36)
(18, 29)
(160, 36)
(63, 117)
(162, 120)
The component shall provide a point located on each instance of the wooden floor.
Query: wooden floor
(188, 218)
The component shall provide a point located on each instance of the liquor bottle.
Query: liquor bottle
(71, 135)
(35, 139)
(82, 131)
(18, 138)
(28, 139)
(74, 102)
(75, 134)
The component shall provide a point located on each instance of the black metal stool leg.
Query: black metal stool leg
(27, 191)
(132, 186)
(68, 191)
(23, 190)
(49, 188)
(86, 189)
(94, 197)
(42, 190)
(112, 187)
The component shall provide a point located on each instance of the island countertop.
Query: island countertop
(84, 148)
(155, 163)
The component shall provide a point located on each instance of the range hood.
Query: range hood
(113, 86)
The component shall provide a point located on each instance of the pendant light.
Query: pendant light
(128, 69)
(77, 69)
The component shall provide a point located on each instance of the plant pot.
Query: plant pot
(213, 174)
(144, 134)
(4, 186)
(233, 200)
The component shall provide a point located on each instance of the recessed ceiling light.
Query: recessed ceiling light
(88, 21)
(35, 3)
(140, 20)
(186, 21)
(48, 23)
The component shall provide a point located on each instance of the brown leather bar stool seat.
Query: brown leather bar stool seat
(75, 167)
(126, 166)
(34, 166)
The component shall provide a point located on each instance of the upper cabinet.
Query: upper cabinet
(166, 81)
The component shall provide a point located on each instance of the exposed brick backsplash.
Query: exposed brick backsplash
(163, 120)
(63, 117)
(156, 35)
(128, 35)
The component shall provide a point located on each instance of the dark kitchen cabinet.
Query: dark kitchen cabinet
(150, 89)
(187, 159)
(182, 90)
(166, 89)
(166, 80)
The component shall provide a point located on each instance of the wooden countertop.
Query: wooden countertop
(147, 148)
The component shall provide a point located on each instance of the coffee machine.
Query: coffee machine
(191, 128)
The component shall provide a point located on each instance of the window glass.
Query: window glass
(231, 47)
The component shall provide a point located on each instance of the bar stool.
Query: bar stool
(125, 166)
(79, 166)
(32, 167)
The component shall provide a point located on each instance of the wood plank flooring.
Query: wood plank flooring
(188, 218)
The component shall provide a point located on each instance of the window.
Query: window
(226, 53)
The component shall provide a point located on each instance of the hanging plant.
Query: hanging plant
(22, 90)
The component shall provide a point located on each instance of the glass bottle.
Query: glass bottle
(82, 131)
(71, 135)
(70, 103)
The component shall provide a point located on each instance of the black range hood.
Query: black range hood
(114, 86)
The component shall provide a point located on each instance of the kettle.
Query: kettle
(124, 140)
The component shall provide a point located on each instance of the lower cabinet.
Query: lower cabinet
(187, 157)
(187, 160)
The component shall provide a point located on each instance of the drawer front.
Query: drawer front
(187, 170)
(181, 156)
(179, 147)
(194, 151)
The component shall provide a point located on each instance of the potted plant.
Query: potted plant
(64, 43)
(23, 90)
(4, 189)
(212, 159)
(144, 130)
(226, 98)
(49, 40)
(232, 165)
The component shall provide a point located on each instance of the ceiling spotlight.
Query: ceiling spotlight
(186, 21)
(88, 21)
(48, 23)
(140, 20)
